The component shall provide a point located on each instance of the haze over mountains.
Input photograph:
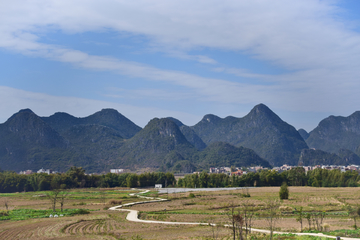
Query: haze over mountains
(107, 139)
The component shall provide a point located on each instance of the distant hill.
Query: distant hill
(223, 154)
(96, 147)
(311, 157)
(60, 141)
(106, 117)
(27, 142)
(303, 133)
(348, 157)
(189, 134)
(261, 130)
(335, 133)
(152, 145)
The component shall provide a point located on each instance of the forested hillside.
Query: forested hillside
(261, 130)
(107, 139)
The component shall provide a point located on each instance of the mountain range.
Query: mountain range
(107, 139)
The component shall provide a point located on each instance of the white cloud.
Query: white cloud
(296, 34)
(306, 37)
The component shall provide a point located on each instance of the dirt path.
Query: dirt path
(133, 217)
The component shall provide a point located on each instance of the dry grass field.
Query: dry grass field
(211, 207)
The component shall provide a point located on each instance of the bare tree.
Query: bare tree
(272, 206)
(214, 227)
(318, 220)
(231, 213)
(236, 222)
(248, 211)
(239, 221)
(62, 198)
(308, 218)
(6, 203)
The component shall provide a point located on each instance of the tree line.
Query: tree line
(75, 177)
(294, 177)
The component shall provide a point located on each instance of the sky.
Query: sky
(181, 58)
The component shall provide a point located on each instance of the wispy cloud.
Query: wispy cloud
(150, 94)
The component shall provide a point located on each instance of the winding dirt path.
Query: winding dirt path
(133, 217)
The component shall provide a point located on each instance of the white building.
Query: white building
(117, 171)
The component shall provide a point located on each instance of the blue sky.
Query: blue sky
(182, 58)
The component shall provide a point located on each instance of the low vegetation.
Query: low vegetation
(23, 214)
(328, 210)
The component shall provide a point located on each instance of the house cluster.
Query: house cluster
(117, 171)
(48, 171)
(286, 167)
(220, 170)
(236, 171)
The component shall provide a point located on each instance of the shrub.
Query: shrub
(284, 191)
(326, 227)
(285, 208)
(115, 202)
(245, 195)
(81, 211)
(4, 213)
(191, 195)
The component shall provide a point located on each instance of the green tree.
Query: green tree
(296, 176)
(300, 217)
(204, 179)
(354, 213)
(284, 191)
(77, 176)
(132, 181)
(53, 197)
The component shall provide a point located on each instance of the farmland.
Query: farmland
(206, 207)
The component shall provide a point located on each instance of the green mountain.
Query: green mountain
(261, 130)
(189, 134)
(107, 140)
(95, 147)
(159, 144)
(111, 118)
(348, 157)
(303, 133)
(219, 154)
(31, 142)
(335, 133)
(27, 142)
(311, 157)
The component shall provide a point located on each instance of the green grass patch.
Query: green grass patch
(293, 236)
(23, 214)
(344, 233)
(150, 193)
